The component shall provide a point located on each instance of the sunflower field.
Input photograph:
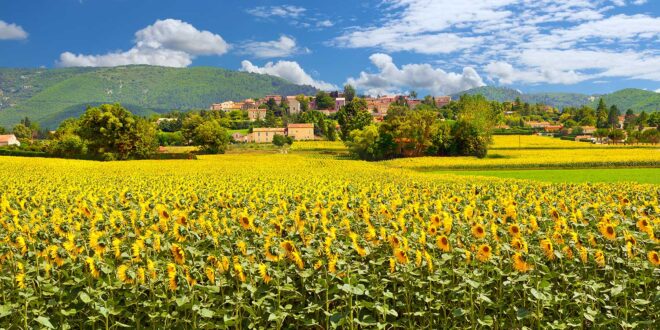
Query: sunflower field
(289, 241)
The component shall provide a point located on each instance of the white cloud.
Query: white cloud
(11, 31)
(288, 70)
(168, 42)
(283, 47)
(325, 23)
(277, 11)
(657, 90)
(392, 79)
(503, 36)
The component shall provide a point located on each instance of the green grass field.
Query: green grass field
(640, 175)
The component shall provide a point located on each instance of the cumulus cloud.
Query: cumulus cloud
(500, 35)
(283, 47)
(325, 23)
(11, 31)
(288, 70)
(392, 79)
(168, 42)
(277, 11)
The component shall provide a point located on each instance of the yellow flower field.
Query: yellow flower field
(291, 241)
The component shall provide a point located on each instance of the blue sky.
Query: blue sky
(380, 46)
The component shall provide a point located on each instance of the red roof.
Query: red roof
(301, 125)
(6, 138)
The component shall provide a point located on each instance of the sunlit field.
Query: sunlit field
(273, 240)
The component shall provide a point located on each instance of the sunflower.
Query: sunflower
(435, 220)
(519, 263)
(654, 258)
(332, 264)
(584, 254)
(288, 247)
(443, 243)
(263, 272)
(297, 259)
(600, 258)
(546, 247)
(91, 266)
(20, 277)
(608, 231)
(123, 275)
(151, 268)
(210, 275)
(238, 268)
(484, 252)
(433, 230)
(171, 276)
(394, 241)
(644, 226)
(429, 261)
(178, 254)
(116, 247)
(141, 275)
(401, 256)
(245, 221)
(519, 244)
(478, 231)
(630, 250)
(514, 230)
(392, 264)
(567, 252)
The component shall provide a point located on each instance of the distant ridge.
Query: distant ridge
(631, 98)
(49, 96)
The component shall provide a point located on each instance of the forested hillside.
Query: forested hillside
(50, 95)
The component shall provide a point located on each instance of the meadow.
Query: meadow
(255, 239)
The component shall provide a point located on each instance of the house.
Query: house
(257, 114)
(538, 124)
(249, 104)
(9, 140)
(238, 137)
(265, 134)
(553, 128)
(441, 101)
(264, 100)
(216, 106)
(588, 129)
(585, 137)
(339, 102)
(294, 104)
(301, 132)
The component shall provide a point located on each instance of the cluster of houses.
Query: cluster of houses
(9, 140)
(377, 106)
(299, 132)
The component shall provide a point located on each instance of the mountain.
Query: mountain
(636, 99)
(49, 96)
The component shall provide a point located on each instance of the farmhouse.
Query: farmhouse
(264, 134)
(294, 104)
(301, 132)
(9, 140)
(257, 114)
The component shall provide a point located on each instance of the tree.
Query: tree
(363, 143)
(642, 120)
(304, 102)
(324, 101)
(601, 114)
(601, 133)
(113, 131)
(654, 119)
(616, 135)
(353, 115)
(281, 140)
(22, 132)
(2, 130)
(68, 145)
(413, 95)
(349, 92)
(613, 116)
(211, 137)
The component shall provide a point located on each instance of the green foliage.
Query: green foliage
(113, 130)
(53, 95)
(322, 125)
(636, 99)
(349, 92)
(281, 140)
(22, 132)
(171, 138)
(211, 137)
(324, 101)
(352, 116)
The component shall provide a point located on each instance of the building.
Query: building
(9, 140)
(249, 104)
(294, 104)
(588, 129)
(216, 106)
(301, 132)
(264, 100)
(441, 101)
(265, 134)
(339, 102)
(538, 124)
(238, 137)
(553, 128)
(257, 114)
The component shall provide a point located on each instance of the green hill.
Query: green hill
(636, 99)
(49, 96)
